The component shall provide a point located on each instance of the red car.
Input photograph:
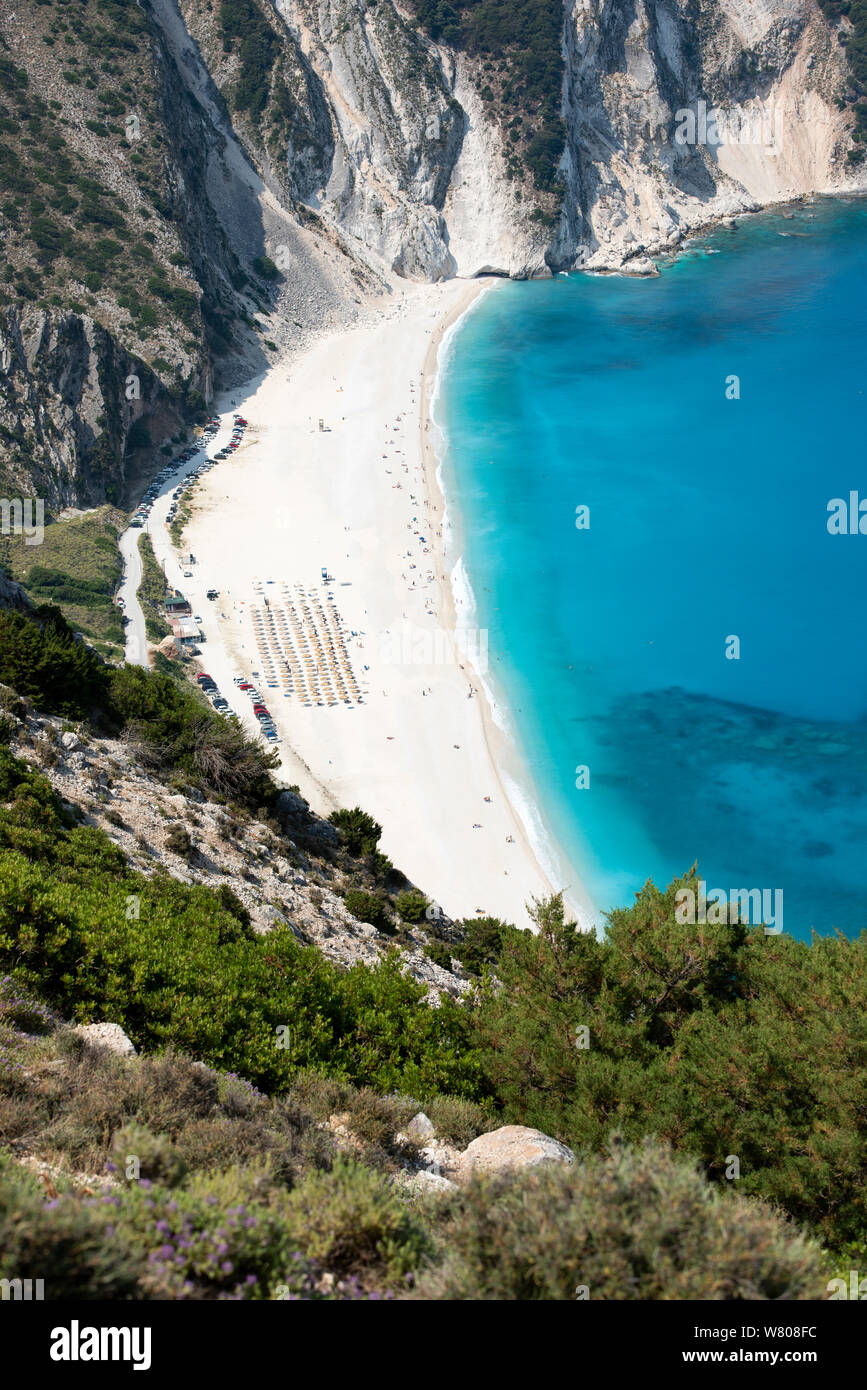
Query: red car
(203, 677)
(245, 685)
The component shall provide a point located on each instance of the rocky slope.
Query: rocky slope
(283, 870)
(193, 186)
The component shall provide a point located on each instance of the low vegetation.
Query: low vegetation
(76, 566)
(708, 1078)
(152, 592)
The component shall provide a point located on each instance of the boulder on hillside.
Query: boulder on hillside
(512, 1147)
(109, 1035)
(420, 1129)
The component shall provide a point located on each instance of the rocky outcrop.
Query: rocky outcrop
(281, 873)
(11, 596)
(412, 168)
(64, 406)
(512, 1147)
(437, 1166)
(108, 1035)
(681, 111)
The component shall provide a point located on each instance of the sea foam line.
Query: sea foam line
(524, 802)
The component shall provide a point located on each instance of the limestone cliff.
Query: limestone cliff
(195, 185)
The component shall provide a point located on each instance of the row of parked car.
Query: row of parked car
(260, 709)
(209, 686)
(187, 482)
(211, 689)
(168, 471)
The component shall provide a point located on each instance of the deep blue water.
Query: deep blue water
(708, 518)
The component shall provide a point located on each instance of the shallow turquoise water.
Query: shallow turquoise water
(708, 519)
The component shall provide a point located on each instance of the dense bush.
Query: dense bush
(367, 907)
(205, 982)
(635, 1224)
(351, 1222)
(70, 1246)
(360, 831)
(411, 905)
(723, 1040)
(484, 939)
(42, 659)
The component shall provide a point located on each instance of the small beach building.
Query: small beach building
(184, 631)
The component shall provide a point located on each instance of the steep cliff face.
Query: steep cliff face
(678, 111)
(64, 411)
(124, 297)
(193, 185)
(675, 112)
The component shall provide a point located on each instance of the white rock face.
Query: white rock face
(512, 1147)
(420, 1129)
(638, 176)
(109, 1035)
(417, 176)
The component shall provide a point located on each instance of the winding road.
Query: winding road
(214, 656)
(136, 647)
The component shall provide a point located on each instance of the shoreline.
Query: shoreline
(422, 752)
(503, 748)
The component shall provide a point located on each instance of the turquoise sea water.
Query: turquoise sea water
(708, 519)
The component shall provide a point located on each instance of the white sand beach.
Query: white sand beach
(359, 497)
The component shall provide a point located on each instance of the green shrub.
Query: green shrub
(206, 984)
(484, 939)
(351, 1223)
(264, 266)
(178, 841)
(440, 954)
(376, 1119)
(458, 1121)
(634, 1224)
(360, 831)
(692, 1034)
(41, 659)
(70, 1246)
(154, 1155)
(367, 907)
(219, 1237)
(411, 905)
